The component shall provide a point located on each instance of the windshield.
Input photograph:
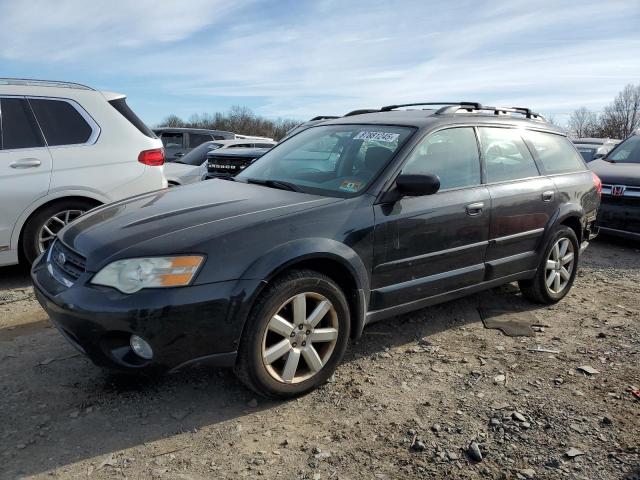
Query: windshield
(627, 151)
(333, 160)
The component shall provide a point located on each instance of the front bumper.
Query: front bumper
(619, 215)
(182, 325)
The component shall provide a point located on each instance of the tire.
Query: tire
(30, 241)
(262, 368)
(543, 287)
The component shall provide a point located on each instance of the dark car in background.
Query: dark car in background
(180, 141)
(619, 171)
(231, 161)
(594, 148)
(274, 270)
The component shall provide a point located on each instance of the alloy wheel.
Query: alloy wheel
(559, 265)
(49, 230)
(300, 338)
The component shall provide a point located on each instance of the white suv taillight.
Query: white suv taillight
(153, 158)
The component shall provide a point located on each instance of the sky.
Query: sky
(299, 59)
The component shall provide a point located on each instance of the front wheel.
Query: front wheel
(557, 269)
(295, 337)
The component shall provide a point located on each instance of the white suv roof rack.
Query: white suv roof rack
(43, 83)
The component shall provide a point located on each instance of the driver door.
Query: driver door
(429, 245)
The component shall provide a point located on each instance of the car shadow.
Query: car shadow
(76, 411)
(15, 276)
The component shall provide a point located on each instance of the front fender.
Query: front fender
(286, 255)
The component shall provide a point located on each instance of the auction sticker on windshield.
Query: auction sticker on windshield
(350, 185)
(377, 136)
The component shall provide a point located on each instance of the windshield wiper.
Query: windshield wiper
(275, 184)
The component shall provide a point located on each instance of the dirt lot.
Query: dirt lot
(406, 403)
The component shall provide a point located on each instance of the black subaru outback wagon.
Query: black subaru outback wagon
(351, 221)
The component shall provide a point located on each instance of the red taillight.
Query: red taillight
(153, 158)
(597, 182)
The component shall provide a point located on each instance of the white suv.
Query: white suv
(66, 148)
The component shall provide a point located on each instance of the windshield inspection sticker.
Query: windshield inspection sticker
(377, 136)
(350, 185)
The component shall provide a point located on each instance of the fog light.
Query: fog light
(141, 348)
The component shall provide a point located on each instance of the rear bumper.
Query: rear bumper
(182, 325)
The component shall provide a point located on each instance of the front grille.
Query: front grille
(69, 264)
(226, 165)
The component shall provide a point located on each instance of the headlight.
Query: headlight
(134, 274)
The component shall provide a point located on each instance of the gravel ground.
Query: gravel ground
(432, 394)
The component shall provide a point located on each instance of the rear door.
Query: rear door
(522, 201)
(25, 164)
(429, 245)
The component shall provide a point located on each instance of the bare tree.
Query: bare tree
(583, 123)
(622, 116)
(238, 120)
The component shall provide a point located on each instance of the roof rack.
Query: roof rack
(323, 117)
(458, 104)
(451, 109)
(361, 112)
(43, 83)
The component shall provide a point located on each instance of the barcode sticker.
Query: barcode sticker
(377, 136)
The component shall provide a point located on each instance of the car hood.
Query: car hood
(616, 173)
(177, 220)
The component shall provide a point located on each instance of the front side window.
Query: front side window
(587, 153)
(450, 154)
(627, 152)
(333, 160)
(60, 122)
(506, 156)
(19, 129)
(556, 153)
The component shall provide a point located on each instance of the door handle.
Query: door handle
(475, 209)
(25, 163)
(547, 196)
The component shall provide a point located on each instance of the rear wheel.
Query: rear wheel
(43, 226)
(295, 337)
(557, 269)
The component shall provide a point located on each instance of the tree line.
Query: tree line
(619, 119)
(238, 119)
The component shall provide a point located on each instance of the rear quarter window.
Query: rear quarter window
(121, 106)
(555, 152)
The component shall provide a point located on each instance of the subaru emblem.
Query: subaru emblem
(62, 258)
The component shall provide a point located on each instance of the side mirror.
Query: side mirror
(415, 185)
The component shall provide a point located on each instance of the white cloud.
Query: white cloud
(76, 29)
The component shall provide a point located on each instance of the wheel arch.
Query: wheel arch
(329, 257)
(34, 208)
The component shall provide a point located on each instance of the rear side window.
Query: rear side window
(556, 153)
(196, 139)
(121, 106)
(450, 154)
(172, 140)
(19, 129)
(506, 156)
(60, 122)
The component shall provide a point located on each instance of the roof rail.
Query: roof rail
(323, 117)
(43, 83)
(452, 109)
(459, 104)
(361, 112)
